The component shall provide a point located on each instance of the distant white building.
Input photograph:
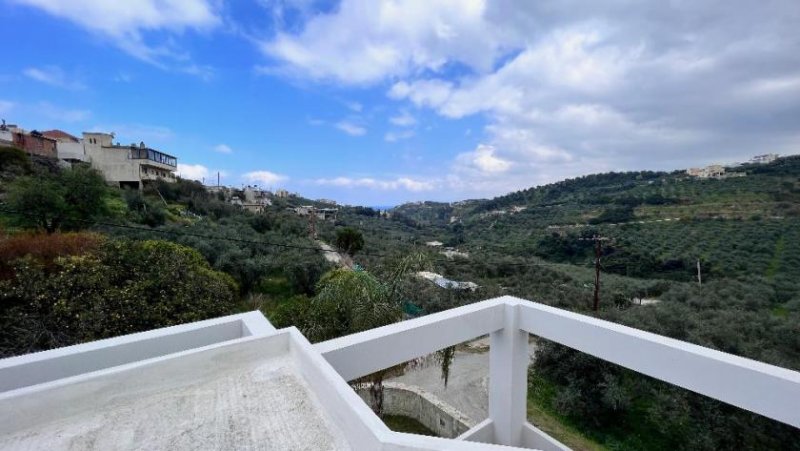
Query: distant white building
(434, 243)
(712, 171)
(446, 283)
(764, 159)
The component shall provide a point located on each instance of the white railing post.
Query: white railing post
(508, 380)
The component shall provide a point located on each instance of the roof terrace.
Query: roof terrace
(237, 383)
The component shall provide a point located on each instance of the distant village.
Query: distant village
(134, 165)
(718, 171)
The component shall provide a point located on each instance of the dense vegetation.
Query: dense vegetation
(71, 272)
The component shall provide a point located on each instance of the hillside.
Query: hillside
(79, 267)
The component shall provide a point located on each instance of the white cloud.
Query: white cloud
(404, 119)
(53, 76)
(381, 38)
(355, 106)
(201, 71)
(431, 93)
(565, 87)
(484, 159)
(351, 128)
(398, 135)
(223, 148)
(775, 85)
(264, 177)
(126, 22)
(193, 171)
(404, 183)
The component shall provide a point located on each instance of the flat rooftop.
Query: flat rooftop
(237, 383)
(236, 404)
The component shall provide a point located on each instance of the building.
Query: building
(446, 283)
(6, 135)
(34, 143)
(764, 159)
(281, 194)
(712, 171)
(68, 148)
(127, 166)
(238, 383)
(326, 214)
(327, 201)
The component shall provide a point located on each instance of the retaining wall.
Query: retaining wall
(413, 402)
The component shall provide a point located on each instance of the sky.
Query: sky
(379, 102)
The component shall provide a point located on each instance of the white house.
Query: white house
(127, 165)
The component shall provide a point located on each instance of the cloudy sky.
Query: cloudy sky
(383, 101)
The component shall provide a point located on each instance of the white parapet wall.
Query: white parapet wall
(149, 381)
(40, 367)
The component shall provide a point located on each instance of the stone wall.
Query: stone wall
(413, 402)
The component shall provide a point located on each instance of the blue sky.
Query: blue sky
(378, 102)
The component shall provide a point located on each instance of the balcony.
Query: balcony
(236, 382)
(161, 158)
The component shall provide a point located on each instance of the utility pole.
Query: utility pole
(312, 223)
(699, 276)
(598, 253)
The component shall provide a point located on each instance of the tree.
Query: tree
(68, 200)
(349, 240)
(37, 202)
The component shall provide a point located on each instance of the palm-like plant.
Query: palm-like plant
(349, 301)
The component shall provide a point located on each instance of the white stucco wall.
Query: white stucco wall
(70, 151)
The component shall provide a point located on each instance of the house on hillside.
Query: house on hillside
(68, 148)
(764, 159)
(34, 143)
(128, 166)
(712, 171)
(6, 135)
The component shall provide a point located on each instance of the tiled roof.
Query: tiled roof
(60, 135)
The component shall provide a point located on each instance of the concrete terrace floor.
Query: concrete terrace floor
(261, 406)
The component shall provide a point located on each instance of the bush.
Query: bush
(13, 162)
(122, 288)
(44, 248)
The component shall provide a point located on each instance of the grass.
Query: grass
(555, 426)
(400, 423)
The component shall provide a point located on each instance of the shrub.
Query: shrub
(121, 288)
(43, 248)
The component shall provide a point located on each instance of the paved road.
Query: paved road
(331, 255)
(468, 387)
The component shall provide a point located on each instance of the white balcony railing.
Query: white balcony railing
(52, 385)
(768, 390)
